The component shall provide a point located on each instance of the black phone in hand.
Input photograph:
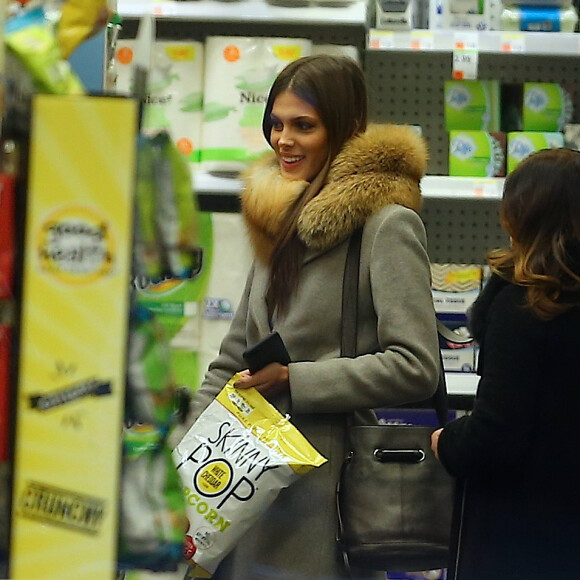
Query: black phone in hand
(271, 349)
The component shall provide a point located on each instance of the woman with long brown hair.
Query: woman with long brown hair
(329, 175)
(517, 452)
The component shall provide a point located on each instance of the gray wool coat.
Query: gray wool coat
(374, 182)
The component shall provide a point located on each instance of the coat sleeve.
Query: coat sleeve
(406, 366)
(495, 438)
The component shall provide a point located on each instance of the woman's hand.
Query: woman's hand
(269, 381)
(435, 442)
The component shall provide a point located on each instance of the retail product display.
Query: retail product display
(7, 225)
(531, 116)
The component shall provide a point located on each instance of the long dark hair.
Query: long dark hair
(540, 211)
(335, 86)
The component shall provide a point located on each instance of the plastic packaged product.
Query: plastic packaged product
(233, 462)
(32, 39)
(166, 225)
(79, 20)
(539, 19)
(152, 516)
(174, 97)
(239, 72)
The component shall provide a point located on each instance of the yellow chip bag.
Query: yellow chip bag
(233, 462)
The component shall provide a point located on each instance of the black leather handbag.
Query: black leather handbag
(394, 498)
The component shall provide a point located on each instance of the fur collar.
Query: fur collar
(379, 167)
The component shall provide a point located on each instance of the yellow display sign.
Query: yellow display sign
(74, 327)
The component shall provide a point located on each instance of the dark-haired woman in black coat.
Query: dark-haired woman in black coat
(517, 455)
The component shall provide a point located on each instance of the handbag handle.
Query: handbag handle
(348, 328)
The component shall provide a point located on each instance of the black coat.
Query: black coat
(518, 453)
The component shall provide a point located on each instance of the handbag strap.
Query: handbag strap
(348, 338)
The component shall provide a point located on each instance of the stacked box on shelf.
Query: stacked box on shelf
(454, 288)
(545, 110)
(472, 118)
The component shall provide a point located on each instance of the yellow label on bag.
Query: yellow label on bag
(270, 426)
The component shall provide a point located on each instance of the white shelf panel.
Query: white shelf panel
(491, 41)
(246, 11)
(461, 383)
(205, 183)
(432, 186)
(466, 188)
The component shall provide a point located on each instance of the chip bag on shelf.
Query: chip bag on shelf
(233, 462)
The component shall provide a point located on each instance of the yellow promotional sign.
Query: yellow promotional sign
(74, 327)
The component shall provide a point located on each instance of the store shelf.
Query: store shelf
(500, 42)
(432, 186)
(203, 183)
(464, 188)
(461, 384)
(248, 11)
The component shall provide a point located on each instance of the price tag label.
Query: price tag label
(421, 40)
(465, 55)
(381, 39)
(163, 8)
(465, 62)
(486, 188)
(512, 43)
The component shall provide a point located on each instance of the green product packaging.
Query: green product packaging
(178, 307)
(476, 154)
(472, 105)
(31, 37)
(521, 144)
(152, 509)
(166, 220)
(546, 107)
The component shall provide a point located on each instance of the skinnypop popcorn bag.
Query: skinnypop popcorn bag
(233, 462)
